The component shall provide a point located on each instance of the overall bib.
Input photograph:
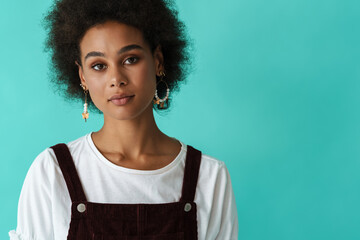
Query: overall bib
(102, 221)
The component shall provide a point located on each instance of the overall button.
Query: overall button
(81, 207)
(187, 207)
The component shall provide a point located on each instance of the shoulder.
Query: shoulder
(208, 163)
(211, 165)
(43, 162)
(46, 162)
(212, 171)
(78, 143)
(75, 147)
(211, 161)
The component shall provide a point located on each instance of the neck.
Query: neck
(129, 138)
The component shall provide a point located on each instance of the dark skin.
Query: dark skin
(115, 60)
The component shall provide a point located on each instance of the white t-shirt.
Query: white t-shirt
(44, 209)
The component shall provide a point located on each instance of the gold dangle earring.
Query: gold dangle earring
(85, 114)
(158, 100)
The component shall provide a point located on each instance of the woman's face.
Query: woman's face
(117, 60)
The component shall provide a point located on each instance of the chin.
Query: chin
(128, 114)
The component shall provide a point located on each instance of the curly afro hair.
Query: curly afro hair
(68, 20)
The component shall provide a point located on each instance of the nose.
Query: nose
(117, 78)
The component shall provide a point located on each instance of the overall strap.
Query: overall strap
(192, 166)
(68, 170)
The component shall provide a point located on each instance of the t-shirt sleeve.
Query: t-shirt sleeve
(34, 218)
(229, 219)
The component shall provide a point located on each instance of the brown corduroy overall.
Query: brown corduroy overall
(103, 221)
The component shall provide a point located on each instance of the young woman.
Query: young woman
(128, 180)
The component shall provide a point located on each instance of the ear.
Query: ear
(81, 74)
(159, 60)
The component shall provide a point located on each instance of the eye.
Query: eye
(131, 60)
(99, 67)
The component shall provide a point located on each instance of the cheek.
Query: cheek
(94, 80)
(96, 89)
(147, 79)
(151, 85)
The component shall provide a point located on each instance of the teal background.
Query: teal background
(274, 94)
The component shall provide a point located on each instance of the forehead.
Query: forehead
(111, 36)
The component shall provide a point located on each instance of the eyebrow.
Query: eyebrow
(121, 51)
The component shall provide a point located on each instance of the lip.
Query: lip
(119, 96)
(121, 99)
